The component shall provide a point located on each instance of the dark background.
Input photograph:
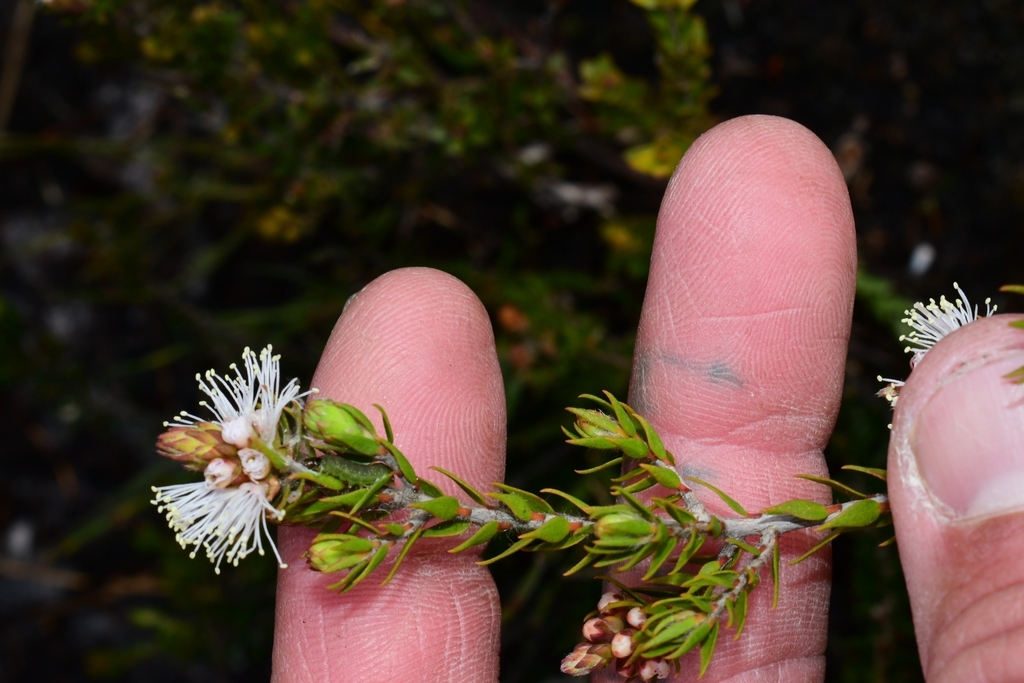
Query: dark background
(177, 183)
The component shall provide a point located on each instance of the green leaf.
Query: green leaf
(537, 504)
(824, 542)
(516, 504)
(357, 521)
(598, 400)
(1016, 289)
(514, 548)
(834, 485)
(671, 630)
(696, 636)
(860, 514)
(452, 527)
(406, 547)
(707, 649)
(551, 531)
(403, 464)
(607, 465)
(596, 418)
(622, 416)
(721, 494)
(801, 509)
(660, 557)
(470, 491)
(887, 542)
(872, 471)
(370, 493)
(387, 423)
(587, 559)
(443, 508)
(632, 448)
(739, 543)
(664, 476)
(739, 613)
(429, 488)
(654, 442)
(598, 442)
(482, 535)
(324, 480)
(572, 499)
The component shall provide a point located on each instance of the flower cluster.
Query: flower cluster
(227, 512)
(610, 642)
(929, 323)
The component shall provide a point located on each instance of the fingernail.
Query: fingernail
(969, 441)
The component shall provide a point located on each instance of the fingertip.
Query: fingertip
(419, 343)
(956, 471)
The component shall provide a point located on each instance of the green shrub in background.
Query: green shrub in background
(228, 174)
(242, 168)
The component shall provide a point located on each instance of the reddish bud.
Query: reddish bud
(636, 617)
(607, 599)
(195, 445)
(654, 668)
(622, 643)
(585, 658)
(602, 629)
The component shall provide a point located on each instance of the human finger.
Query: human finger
(741, 349)
(419, 343)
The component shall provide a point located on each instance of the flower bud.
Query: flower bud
(194, 445)
(333, 552)
(607, 599)
(254, 463)
(585, 658)
(654, 668)
(336, 424)
(623, 525)
(602, 629)
(636, 617)
(622, 643)
(220, 473)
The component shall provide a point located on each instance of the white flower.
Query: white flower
(249, 405)
(254, 463)
(220, 473)
(229, 523)
(934, 321)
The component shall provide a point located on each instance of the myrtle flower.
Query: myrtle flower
(229, 522)
(246, 405)
(930, 323)
(934, 321)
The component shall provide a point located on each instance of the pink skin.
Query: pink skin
(739, 365)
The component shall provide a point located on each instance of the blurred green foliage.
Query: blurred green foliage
(247, 166)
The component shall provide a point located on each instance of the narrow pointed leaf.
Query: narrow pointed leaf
(824, 542)
(514, 548)
(801, 509)
(584, 507)
(721, 494)
(860, 514)
(406, 547)
(707, 649)
(387, 423)
(444, 508)
(536, 503)
(452, 527)
(551, 531)
(872, 471)
(664, 476)
(482, 535)
(834, 485)
(470, 491)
